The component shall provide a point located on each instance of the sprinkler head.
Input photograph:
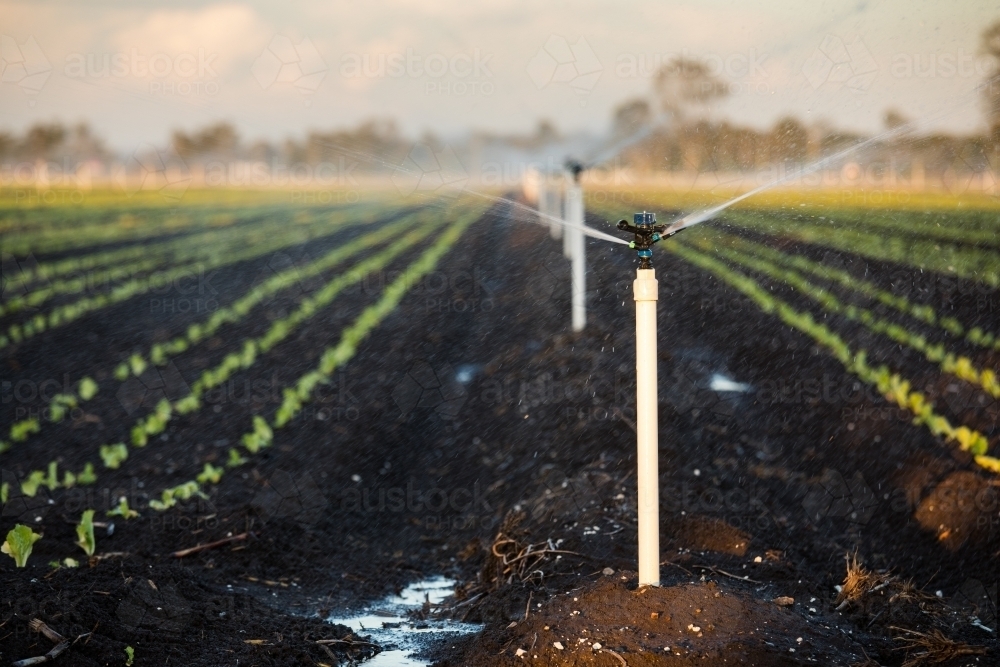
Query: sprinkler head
(646, 233)
(575, 167)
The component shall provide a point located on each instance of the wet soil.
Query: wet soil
(471, 413)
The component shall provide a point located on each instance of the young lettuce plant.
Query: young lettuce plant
(60, 405)
(169, 497)
(261, 436)
(235, 460)
(20, 431)
(137, 364)
(87, 389)
(85, 533)
(20, 541)
(210, 474)
(52, 478)
(87, 476)
(35, 479)
(113, 455)
(123, 510)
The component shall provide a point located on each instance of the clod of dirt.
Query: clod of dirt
(610, 621)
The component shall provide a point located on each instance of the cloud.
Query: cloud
(234, 32)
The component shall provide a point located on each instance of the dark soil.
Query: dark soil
(472, 412)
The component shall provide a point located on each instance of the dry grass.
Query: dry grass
(859, 582)
(932, 648)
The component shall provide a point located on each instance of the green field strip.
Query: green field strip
(280, 330)
(262, 433)
(190, 250)
(978, 265)
(160, 353)
(968, 263)
(113, 455)
(131, 226)
(904, 224)
(174, 248)
(924, 313)
(67, 313)
(891, 385)
(949, 363)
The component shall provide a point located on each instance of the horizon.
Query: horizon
(452, 70)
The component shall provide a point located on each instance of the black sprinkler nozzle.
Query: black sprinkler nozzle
(646, 232)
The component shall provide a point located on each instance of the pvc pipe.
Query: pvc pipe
(553, 209)
(567, 216)
(645, 289)
(543, 201)
(574, 215)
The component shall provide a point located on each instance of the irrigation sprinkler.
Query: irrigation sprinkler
(577, 247)
(645, 290)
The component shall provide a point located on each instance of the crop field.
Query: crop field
(226, 421)
(918, 286)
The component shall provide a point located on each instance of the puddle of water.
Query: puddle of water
(722, 383)
(387, 624)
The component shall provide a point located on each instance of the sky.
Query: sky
(137, 70)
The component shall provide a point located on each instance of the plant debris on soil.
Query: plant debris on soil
(512, 472)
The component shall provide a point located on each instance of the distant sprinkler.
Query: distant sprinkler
(645, 289)
(575, 167)
(574, 246)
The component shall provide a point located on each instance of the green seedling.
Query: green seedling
(158, 355)
(136, 364)
(29, 487)
(139, 436)
(130, 656)
(235, 460)
(188, 404)
(169, 497)
(4, 446)
(69, 480)
(114, 455)
(66, 562)
(20, 541)
(87, 476)
(60, 405)
(123, 510)
(5, 491)
(52, 478)
(87, 389)
(210, 474)
(261, 436)
(166, 501)
(121, 372)
(85, 533)
(20, 431)
(187, 491)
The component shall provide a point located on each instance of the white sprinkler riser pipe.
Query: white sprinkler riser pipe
(567, 207)
(552, 205)
(645, 289)
(578, 256)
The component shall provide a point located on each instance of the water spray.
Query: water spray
(645, 290)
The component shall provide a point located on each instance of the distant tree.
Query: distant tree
(990, 46)
(893, 119)
(8, 144)
(631, 117)
(42, 140)
(83, 144)
(789, 140)
(219, 140)
(685, 82)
